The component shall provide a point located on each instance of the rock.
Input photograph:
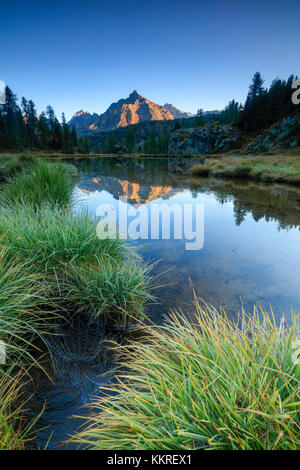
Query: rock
(279, 136)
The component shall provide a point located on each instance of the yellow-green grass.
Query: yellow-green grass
(23, 317)
(116, 291)
(15, 430)
(285, 169)
(203, 384)
(10, 165)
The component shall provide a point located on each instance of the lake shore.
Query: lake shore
(283, 168)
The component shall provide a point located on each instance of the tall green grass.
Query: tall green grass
(23, 317)
(113, 290)
(13, 432)
(23, 299)
(103, 277)
(207, 384)
(51, 261)
(52, 236)
(42, 182)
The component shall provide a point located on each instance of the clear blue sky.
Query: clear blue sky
(191, 53)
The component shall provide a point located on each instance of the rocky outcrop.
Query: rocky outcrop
(203, 140)
(283, 134)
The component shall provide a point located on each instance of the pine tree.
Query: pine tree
(199, 119)
(87, 144)
(43, 131)
(57, 139)
(163, 140)
(255, 89)
(130, 140)
(68, 146)
(74, 137)
(13, 121)
(254, 114)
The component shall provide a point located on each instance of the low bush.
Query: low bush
(200, 170)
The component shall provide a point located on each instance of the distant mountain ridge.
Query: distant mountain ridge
(176, 113)
(132, 110)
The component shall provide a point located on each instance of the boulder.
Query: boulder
(203, 140)
(282, 134)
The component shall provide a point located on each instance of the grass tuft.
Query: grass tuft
(210, 384)
(40, 183)
(112, 290)
(269, 169)
(53, 236)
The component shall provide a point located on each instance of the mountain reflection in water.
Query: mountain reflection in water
(251, 255)
(251, 250)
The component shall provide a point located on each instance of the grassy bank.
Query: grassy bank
(282, 169)
(10, 165)
(68, 156)
(23, 317)
(52, 263)
(207, 385)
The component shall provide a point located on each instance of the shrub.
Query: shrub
(242, 171)
(200, 170)
(210, 384)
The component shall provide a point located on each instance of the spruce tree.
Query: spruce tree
(130, 140)
(68, 146)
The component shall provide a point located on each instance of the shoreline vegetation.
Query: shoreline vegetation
(203, 383)
(266, 168)
(281, 168)
(52, 265)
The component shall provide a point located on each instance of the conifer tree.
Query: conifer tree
(130, 139)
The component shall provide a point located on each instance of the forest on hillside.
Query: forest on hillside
(22, 128)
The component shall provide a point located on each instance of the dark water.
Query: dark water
(250, 256)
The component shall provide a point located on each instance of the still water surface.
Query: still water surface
(250, 256)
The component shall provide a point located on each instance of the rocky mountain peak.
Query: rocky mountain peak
(80, 113)
(125, 112)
